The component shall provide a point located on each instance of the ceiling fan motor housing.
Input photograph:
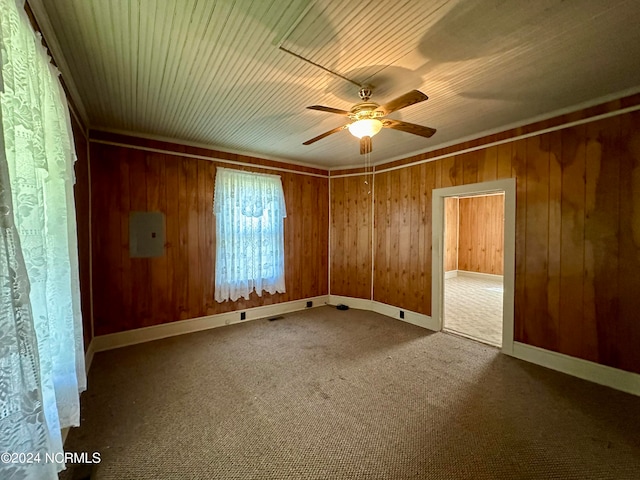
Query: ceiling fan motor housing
(364, 110)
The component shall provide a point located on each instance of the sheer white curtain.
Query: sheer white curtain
(249, 209)
(38, 155)
(22, 424)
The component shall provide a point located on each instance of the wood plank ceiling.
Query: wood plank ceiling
(210, 72)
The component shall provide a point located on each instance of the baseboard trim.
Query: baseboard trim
(451, 274)
(415, 318)
(594, 372)
(165, 330)
(351, 302)
(489, 276)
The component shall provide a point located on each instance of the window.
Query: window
(249, 210)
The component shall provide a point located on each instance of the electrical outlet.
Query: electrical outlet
(243, 315)
(309, 304)
(401, 313)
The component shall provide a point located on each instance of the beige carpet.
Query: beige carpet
(473, 307)
(325, 394)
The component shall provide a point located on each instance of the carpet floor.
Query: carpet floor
(328, 394)
(473, 307)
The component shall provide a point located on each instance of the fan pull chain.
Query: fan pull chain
(367, 171)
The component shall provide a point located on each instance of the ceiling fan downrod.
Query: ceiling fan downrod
(365, 92)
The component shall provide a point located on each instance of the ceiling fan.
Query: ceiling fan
(368, 118)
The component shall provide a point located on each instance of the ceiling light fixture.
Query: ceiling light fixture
(366, 127)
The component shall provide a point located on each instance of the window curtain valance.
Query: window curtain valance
(249, 209)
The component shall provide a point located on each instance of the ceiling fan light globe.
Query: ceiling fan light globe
(367, 127)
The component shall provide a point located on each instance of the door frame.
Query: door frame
(508, 186)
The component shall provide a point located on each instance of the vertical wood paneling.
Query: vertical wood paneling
(393, 279)
(124, 202)
(157, 202)
(350, 277)
(82, 204)
(382, 262)
(382, 236)
(351, 241)
(289, 233)
(172, 240)
(627, 326)
(137, 292)
(470, 166)
(447, 171)
(193, 236)
(504, 160)
(107, 239)
(210, 239)
(519, 171)
(415, 219)
(570, 335)
(183, 279)
(206, 252)
(297, 221)
(593, 155)
(320, 188)
(403, 237)
(350, 267)
(426, 246)
(364, 237)
(555, 239)
(337, 235)
(139, 267)
(488, 164)
(466, 235)
(602, 232)
(481, 234)
(451, 234)
(389, 237)
(99, 246)
(537, 241)
(309, 225)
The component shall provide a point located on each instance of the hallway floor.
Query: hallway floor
(473, 308)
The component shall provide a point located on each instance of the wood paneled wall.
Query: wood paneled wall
(481, 234)
(577, 235)
(451, 222)
(402, 237)
(138, 292)
(350, 240)
(82, 201)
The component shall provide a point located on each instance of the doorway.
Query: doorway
(473, 266)
(473, 278)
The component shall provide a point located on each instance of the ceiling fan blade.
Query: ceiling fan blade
(410, 98)
(325, 134)
(328, 109)
(409, 127)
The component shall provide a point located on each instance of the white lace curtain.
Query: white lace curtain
(40, 295)
(249, 209)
